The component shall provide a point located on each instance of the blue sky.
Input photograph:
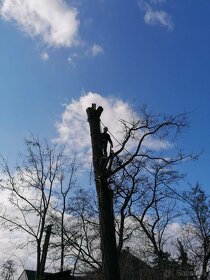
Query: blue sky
(153, 52)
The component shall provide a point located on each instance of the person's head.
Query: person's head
(105, 129)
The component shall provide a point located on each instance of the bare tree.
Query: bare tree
(155, 207)
(197, 229)
(148, 138)
(144, 177)
(138, 172)
(126, 185)
(82, 233)
(30, 189)
(144, 149)
(59, 216)
(8, 270)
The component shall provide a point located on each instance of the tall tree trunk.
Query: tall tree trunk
(106, 214)
(62, 241)
(38, 262)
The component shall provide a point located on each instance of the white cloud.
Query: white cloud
(158, 18)
(96, 49)
(44, 56)
(51, 20)
(153, 16)
(73, 129)
(11, 241)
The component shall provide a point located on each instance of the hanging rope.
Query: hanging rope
(91, 174)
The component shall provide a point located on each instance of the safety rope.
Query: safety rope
(91, 174)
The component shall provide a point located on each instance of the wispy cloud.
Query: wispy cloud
(96, 50)
(70, 60)
(55, 23)
(85, 51)
(44, 56)
(158, 18)
(153, 15)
